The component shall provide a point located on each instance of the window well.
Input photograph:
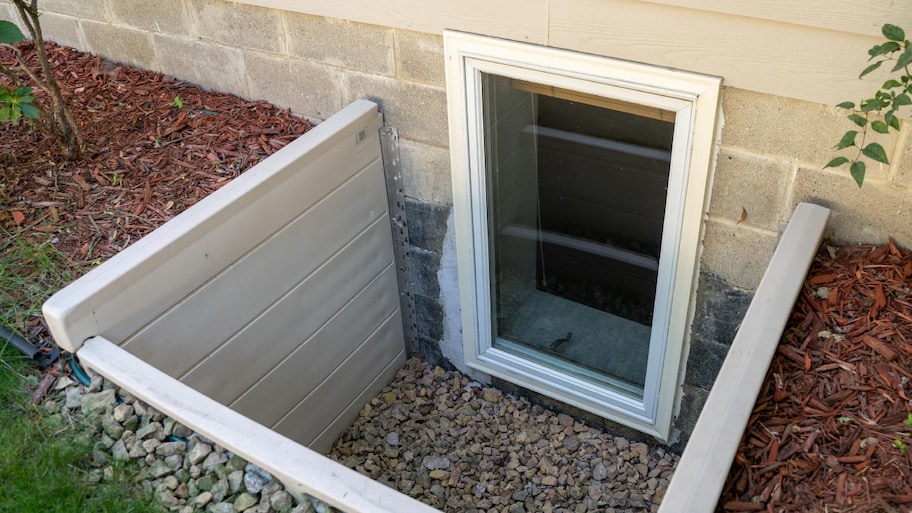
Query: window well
(579, 183)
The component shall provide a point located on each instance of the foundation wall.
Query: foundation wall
(771, 150)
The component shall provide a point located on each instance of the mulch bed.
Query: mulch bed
(148, 157)
(831, 424)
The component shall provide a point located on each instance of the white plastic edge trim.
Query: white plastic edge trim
(704, 466)
(300, 469)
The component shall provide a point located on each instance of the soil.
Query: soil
(156, 146)
(828, 431)
(832, 422)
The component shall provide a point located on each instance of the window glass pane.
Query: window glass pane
(576, 201)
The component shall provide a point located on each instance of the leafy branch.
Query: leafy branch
(16, 99)
(883, 106)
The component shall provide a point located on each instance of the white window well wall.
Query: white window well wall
(579, 186)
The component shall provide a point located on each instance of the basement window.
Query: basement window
(579, 186)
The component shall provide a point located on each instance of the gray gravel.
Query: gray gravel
(434, 435)
(184, 471)
(462, 447)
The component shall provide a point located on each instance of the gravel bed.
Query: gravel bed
(462, 447)
(184, 471)
(432, 434)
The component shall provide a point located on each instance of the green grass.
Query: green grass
(44, 463)
(44, 460)
(29, 273)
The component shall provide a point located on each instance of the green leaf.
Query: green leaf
(848, 139)
(10, 33)
(883, 49)
(870, 68)
(838, 161)
(890, 84)
(29, 111)
(880, 127)
(846, 105)
(872, 104)
(876, 152)
(893, 33)
(4, 113)
(858, 171)
(904, 59)
(902, 99)
(908, 420)
(858, 119)
(15, 114)
(23, 91)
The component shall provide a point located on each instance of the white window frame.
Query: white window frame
(694, 98)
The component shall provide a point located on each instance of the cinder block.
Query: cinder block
(427, 225)
(430, 317)
(418, 111)
(429, 352)
(341, 43)
(84, 9)
(737, 254)
(237, 24)
(119, 43)
(424, 265)
(426, 172)
(205, 64)
(796, 130)
(691, 405)
(720, 308)
(870, 214)
(902, 163)
(63, 30)
(420, 57)
(168, 16)
(309, 89)
(8, 13)
(756, 184)
(704, 361)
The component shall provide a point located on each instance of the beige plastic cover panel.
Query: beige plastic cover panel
(276, 295)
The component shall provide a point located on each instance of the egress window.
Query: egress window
(579, 185)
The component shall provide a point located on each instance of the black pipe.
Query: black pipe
(25, 347)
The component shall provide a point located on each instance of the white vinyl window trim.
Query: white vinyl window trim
(694, 100)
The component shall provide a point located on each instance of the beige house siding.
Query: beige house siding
(783, 66)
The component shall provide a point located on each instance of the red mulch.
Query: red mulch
(828, 427)
(146, 160)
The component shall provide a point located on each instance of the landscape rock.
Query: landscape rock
(92, 403)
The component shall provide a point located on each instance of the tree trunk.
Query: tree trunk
(62, 126)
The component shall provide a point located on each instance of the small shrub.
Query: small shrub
(893, 95)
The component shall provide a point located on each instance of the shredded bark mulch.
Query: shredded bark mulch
(155, 147)
(831, 429)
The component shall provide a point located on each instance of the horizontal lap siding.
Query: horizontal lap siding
(263, 276)
(280, 288)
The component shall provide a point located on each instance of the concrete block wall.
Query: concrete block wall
(770, 157)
